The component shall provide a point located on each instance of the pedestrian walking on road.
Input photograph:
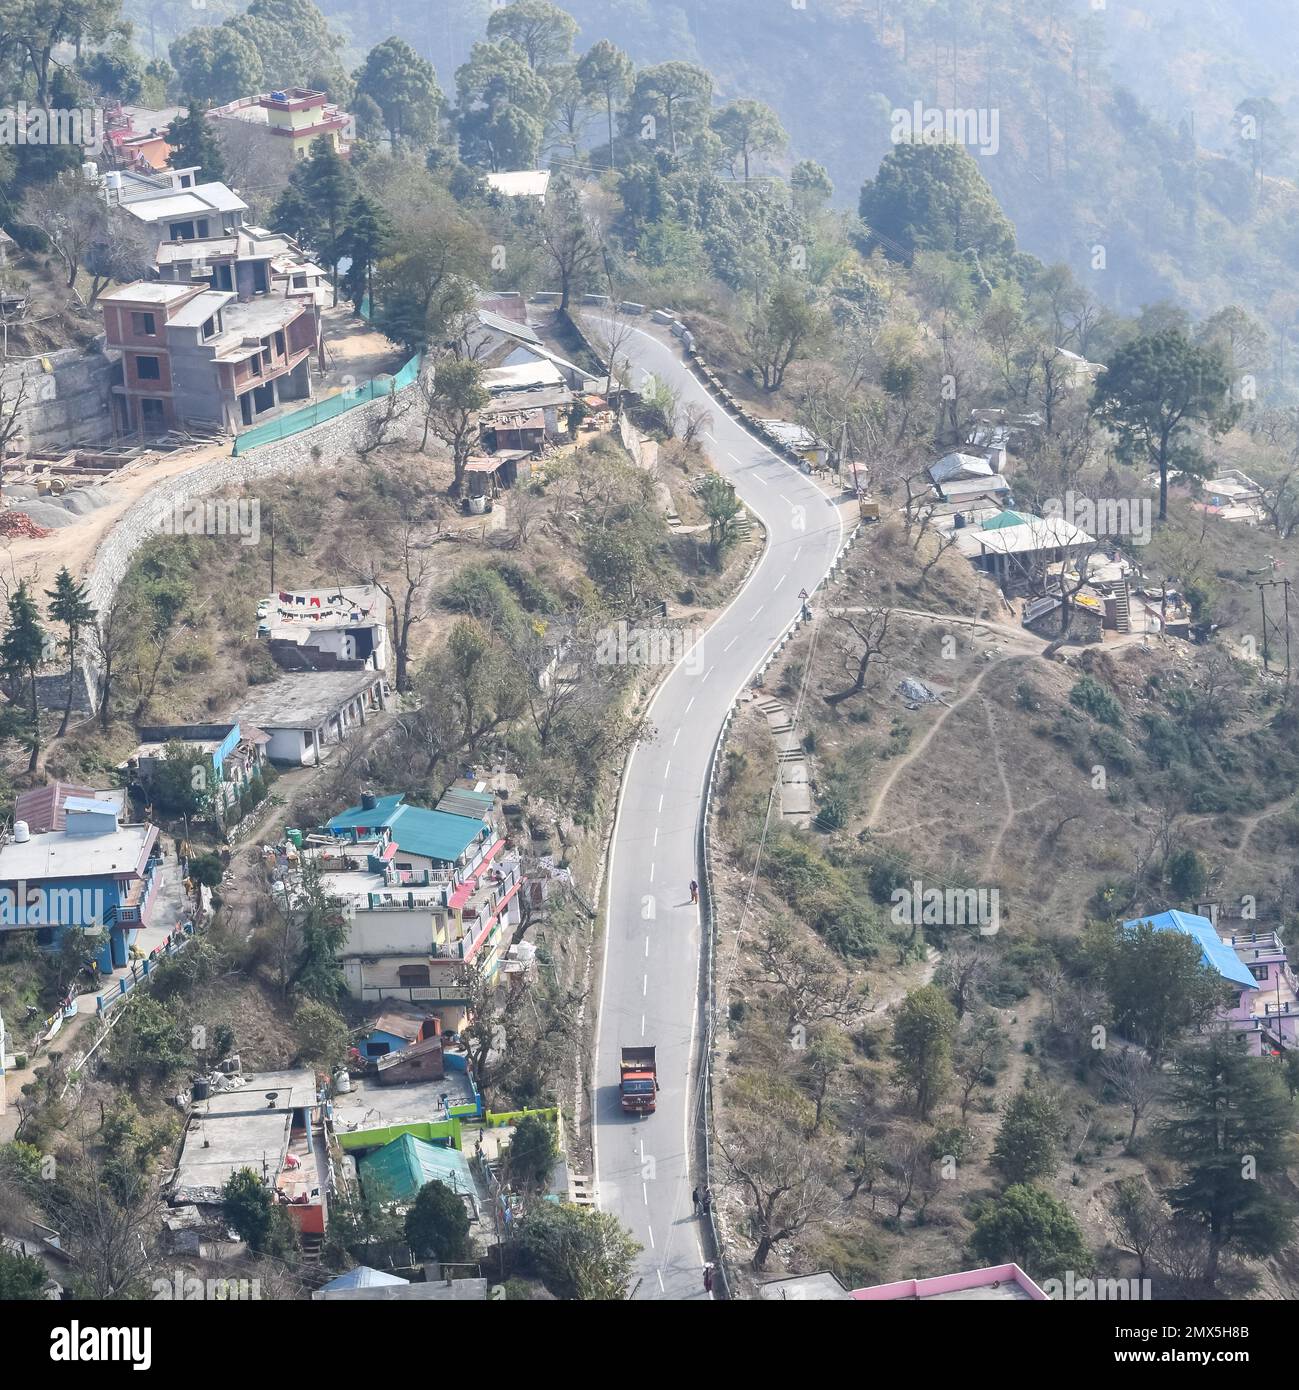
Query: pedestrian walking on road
(708, 1278)
(694, 891)
(708, 1200)
(694, 1197)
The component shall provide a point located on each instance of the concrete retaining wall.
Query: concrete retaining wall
(66, 405)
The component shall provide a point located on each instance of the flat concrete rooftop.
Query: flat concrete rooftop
(371, 1106)
(304, 699)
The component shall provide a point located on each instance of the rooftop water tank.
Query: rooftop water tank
(21, 833)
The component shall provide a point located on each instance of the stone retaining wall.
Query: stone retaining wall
(321, 446)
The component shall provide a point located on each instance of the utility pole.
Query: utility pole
(1269, 623)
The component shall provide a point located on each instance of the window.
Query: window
(1259, 972)
(412, 976)
(209, 328)
(144, 325)
(147, 369)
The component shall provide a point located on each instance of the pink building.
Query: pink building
(1269, 1012)
(1001, 1283)
(1252, 966)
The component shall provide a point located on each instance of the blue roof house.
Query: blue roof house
(420, 844)
(1214, 952)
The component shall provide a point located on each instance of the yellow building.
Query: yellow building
(302, 116)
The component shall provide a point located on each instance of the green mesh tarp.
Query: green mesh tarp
(396, 1172)
(327, 409)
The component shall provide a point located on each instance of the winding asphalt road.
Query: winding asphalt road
(650, 986)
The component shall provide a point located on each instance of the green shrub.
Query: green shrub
(1093, 698)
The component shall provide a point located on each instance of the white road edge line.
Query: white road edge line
(613, 839)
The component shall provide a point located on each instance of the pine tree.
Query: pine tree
(320, 192)
(1230, 1128)
(22, 648)
(923, 1029)
(365, 239)
(193, 141)
(70, 605)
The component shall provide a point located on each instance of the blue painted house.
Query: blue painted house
(95, 874)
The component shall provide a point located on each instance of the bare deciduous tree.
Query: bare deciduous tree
(906, 1158)
(1135, 1080)
(811, 987)
(1138, 1217)
(11, 421)
(110, 1230)
(415, 568)
(868, 639)
(784, 1179)
(963, 971)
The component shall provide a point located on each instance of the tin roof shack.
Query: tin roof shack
(511, 420)
(45, 808)
(520, 183)
(798, 440)
(338, 629)
(95, 874)
(304, 713)
(421, 1061)
(396, 1026)
(389, 1289)
(1233, 496)
(272, 1123)
(1016, 549)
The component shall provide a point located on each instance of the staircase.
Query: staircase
(1122, 608)
(795, 795)
(581, 1190)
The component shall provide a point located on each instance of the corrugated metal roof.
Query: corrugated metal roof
(362, 1277)
(1215, 952)
(434, 834)
(440, 835)
(361, 818)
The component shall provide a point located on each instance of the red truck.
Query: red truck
(639, 1080)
